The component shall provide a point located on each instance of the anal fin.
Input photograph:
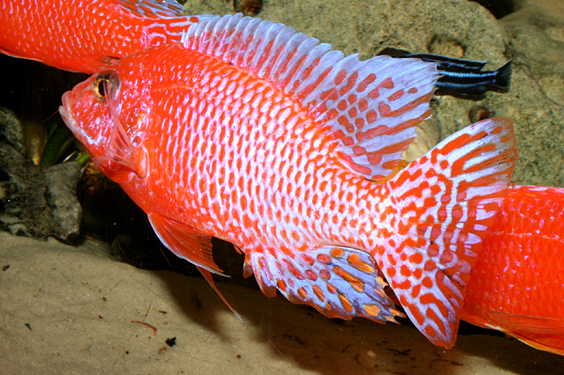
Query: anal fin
(339, 282)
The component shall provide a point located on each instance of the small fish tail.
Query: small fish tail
(502, 77)
(445, 201)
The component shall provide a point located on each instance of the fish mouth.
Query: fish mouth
(66, 112)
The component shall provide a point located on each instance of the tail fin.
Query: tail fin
(446, 201)
(502, 77)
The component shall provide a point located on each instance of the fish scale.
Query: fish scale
(292, 152)
(517, 283)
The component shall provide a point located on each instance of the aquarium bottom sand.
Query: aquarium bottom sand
(68, 310)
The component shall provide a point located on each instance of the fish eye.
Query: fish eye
(102, 84)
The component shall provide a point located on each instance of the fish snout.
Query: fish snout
(66, 112)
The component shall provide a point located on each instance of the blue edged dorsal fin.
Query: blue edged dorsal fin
(152, 8)
(165, 21)
(372, 107)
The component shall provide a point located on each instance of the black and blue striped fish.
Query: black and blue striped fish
(462, 78)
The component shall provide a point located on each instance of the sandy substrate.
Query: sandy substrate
(72, 310)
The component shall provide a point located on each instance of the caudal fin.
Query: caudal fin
(446, 201)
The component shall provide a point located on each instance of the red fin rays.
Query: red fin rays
(339, 282)
(192, 245)
(208, 276)
(370, 107)
(185, 242)
(447, 200)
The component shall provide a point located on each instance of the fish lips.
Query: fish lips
(92, 132)
(66, 113)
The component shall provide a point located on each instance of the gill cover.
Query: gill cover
(121, 156)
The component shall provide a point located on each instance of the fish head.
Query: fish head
(109, 121)
(89, 111)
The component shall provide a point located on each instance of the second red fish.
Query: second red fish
(87, 36)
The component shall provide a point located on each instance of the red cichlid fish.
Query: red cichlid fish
(87, 36)
(258, 135)
(517, 284)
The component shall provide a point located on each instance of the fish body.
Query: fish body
(474, 84)
(517, 284)
(445, 63)
(258, 135)
(461, 78)
(87, 36)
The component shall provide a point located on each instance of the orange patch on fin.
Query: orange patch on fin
(349, 283)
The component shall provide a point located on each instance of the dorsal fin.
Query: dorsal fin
(372, 107)
(165, 21)
(152, 8)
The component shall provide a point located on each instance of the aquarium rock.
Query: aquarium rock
(35, 201)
